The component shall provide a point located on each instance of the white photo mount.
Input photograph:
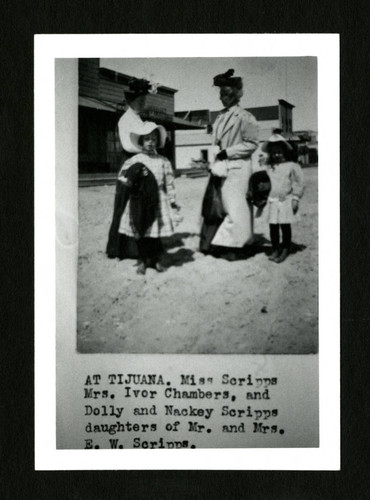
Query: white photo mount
(56, 241)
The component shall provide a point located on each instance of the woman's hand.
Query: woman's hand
(295, 206)
(222, 155)
(125, 181)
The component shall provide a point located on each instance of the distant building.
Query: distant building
(308, 147)
(194, 147)
(101, 98)
(271, 117)
(307, 135)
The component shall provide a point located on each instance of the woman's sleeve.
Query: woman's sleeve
(249, 132)
(169, 180)
(297, 181)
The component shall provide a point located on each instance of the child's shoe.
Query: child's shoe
(284, 254)
(141, 268)
(160, 267)
(275, 254)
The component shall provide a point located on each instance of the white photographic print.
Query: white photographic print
(189, 309)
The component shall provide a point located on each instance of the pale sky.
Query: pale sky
(266, 79)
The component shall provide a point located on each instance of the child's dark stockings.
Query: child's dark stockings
(286, 230)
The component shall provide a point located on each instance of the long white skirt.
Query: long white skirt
(236, 229)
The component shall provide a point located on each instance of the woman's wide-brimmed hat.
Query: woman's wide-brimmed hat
(145, 129)
(228, 80)
(273, 140)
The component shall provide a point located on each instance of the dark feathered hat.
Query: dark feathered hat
(228, 80)
(138, 87)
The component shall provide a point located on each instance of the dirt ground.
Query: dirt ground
(201, 304)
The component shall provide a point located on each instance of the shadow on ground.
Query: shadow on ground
(176, 240)
(263, 245)
(180, 257)
(296, 247)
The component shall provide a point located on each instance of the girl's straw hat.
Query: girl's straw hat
(145, 129)
(276, 138)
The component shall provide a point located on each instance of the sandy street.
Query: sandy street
(201, 304)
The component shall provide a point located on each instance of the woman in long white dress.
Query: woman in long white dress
(235, 131)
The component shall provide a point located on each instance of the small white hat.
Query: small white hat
(145, 129)
(276, 138)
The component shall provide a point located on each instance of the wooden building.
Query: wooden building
(195, 147)
(308, 146)
(101, 102)
(271, 117)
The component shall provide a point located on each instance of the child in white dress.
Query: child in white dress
(166, 217)
(287, 186)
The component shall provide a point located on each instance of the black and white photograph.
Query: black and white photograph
(191, 272)
(198, 205)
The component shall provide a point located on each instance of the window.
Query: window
(204, 154)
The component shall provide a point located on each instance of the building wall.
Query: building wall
(265, 128)
(189, 143)
(286, 118)
(99, 148)
(189, 147)
(186, 154)
(162, 101)
(110, 90)
(88, 77)
(265, 113)
(193, 137)
(108, 85)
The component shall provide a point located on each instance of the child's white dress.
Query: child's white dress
(164, 224)
(286, 185)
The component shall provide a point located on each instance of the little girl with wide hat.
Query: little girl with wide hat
(287, 186)
(150, 211)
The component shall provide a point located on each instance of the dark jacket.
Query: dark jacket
(141, 189)
(212, 209)
(259, 188)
